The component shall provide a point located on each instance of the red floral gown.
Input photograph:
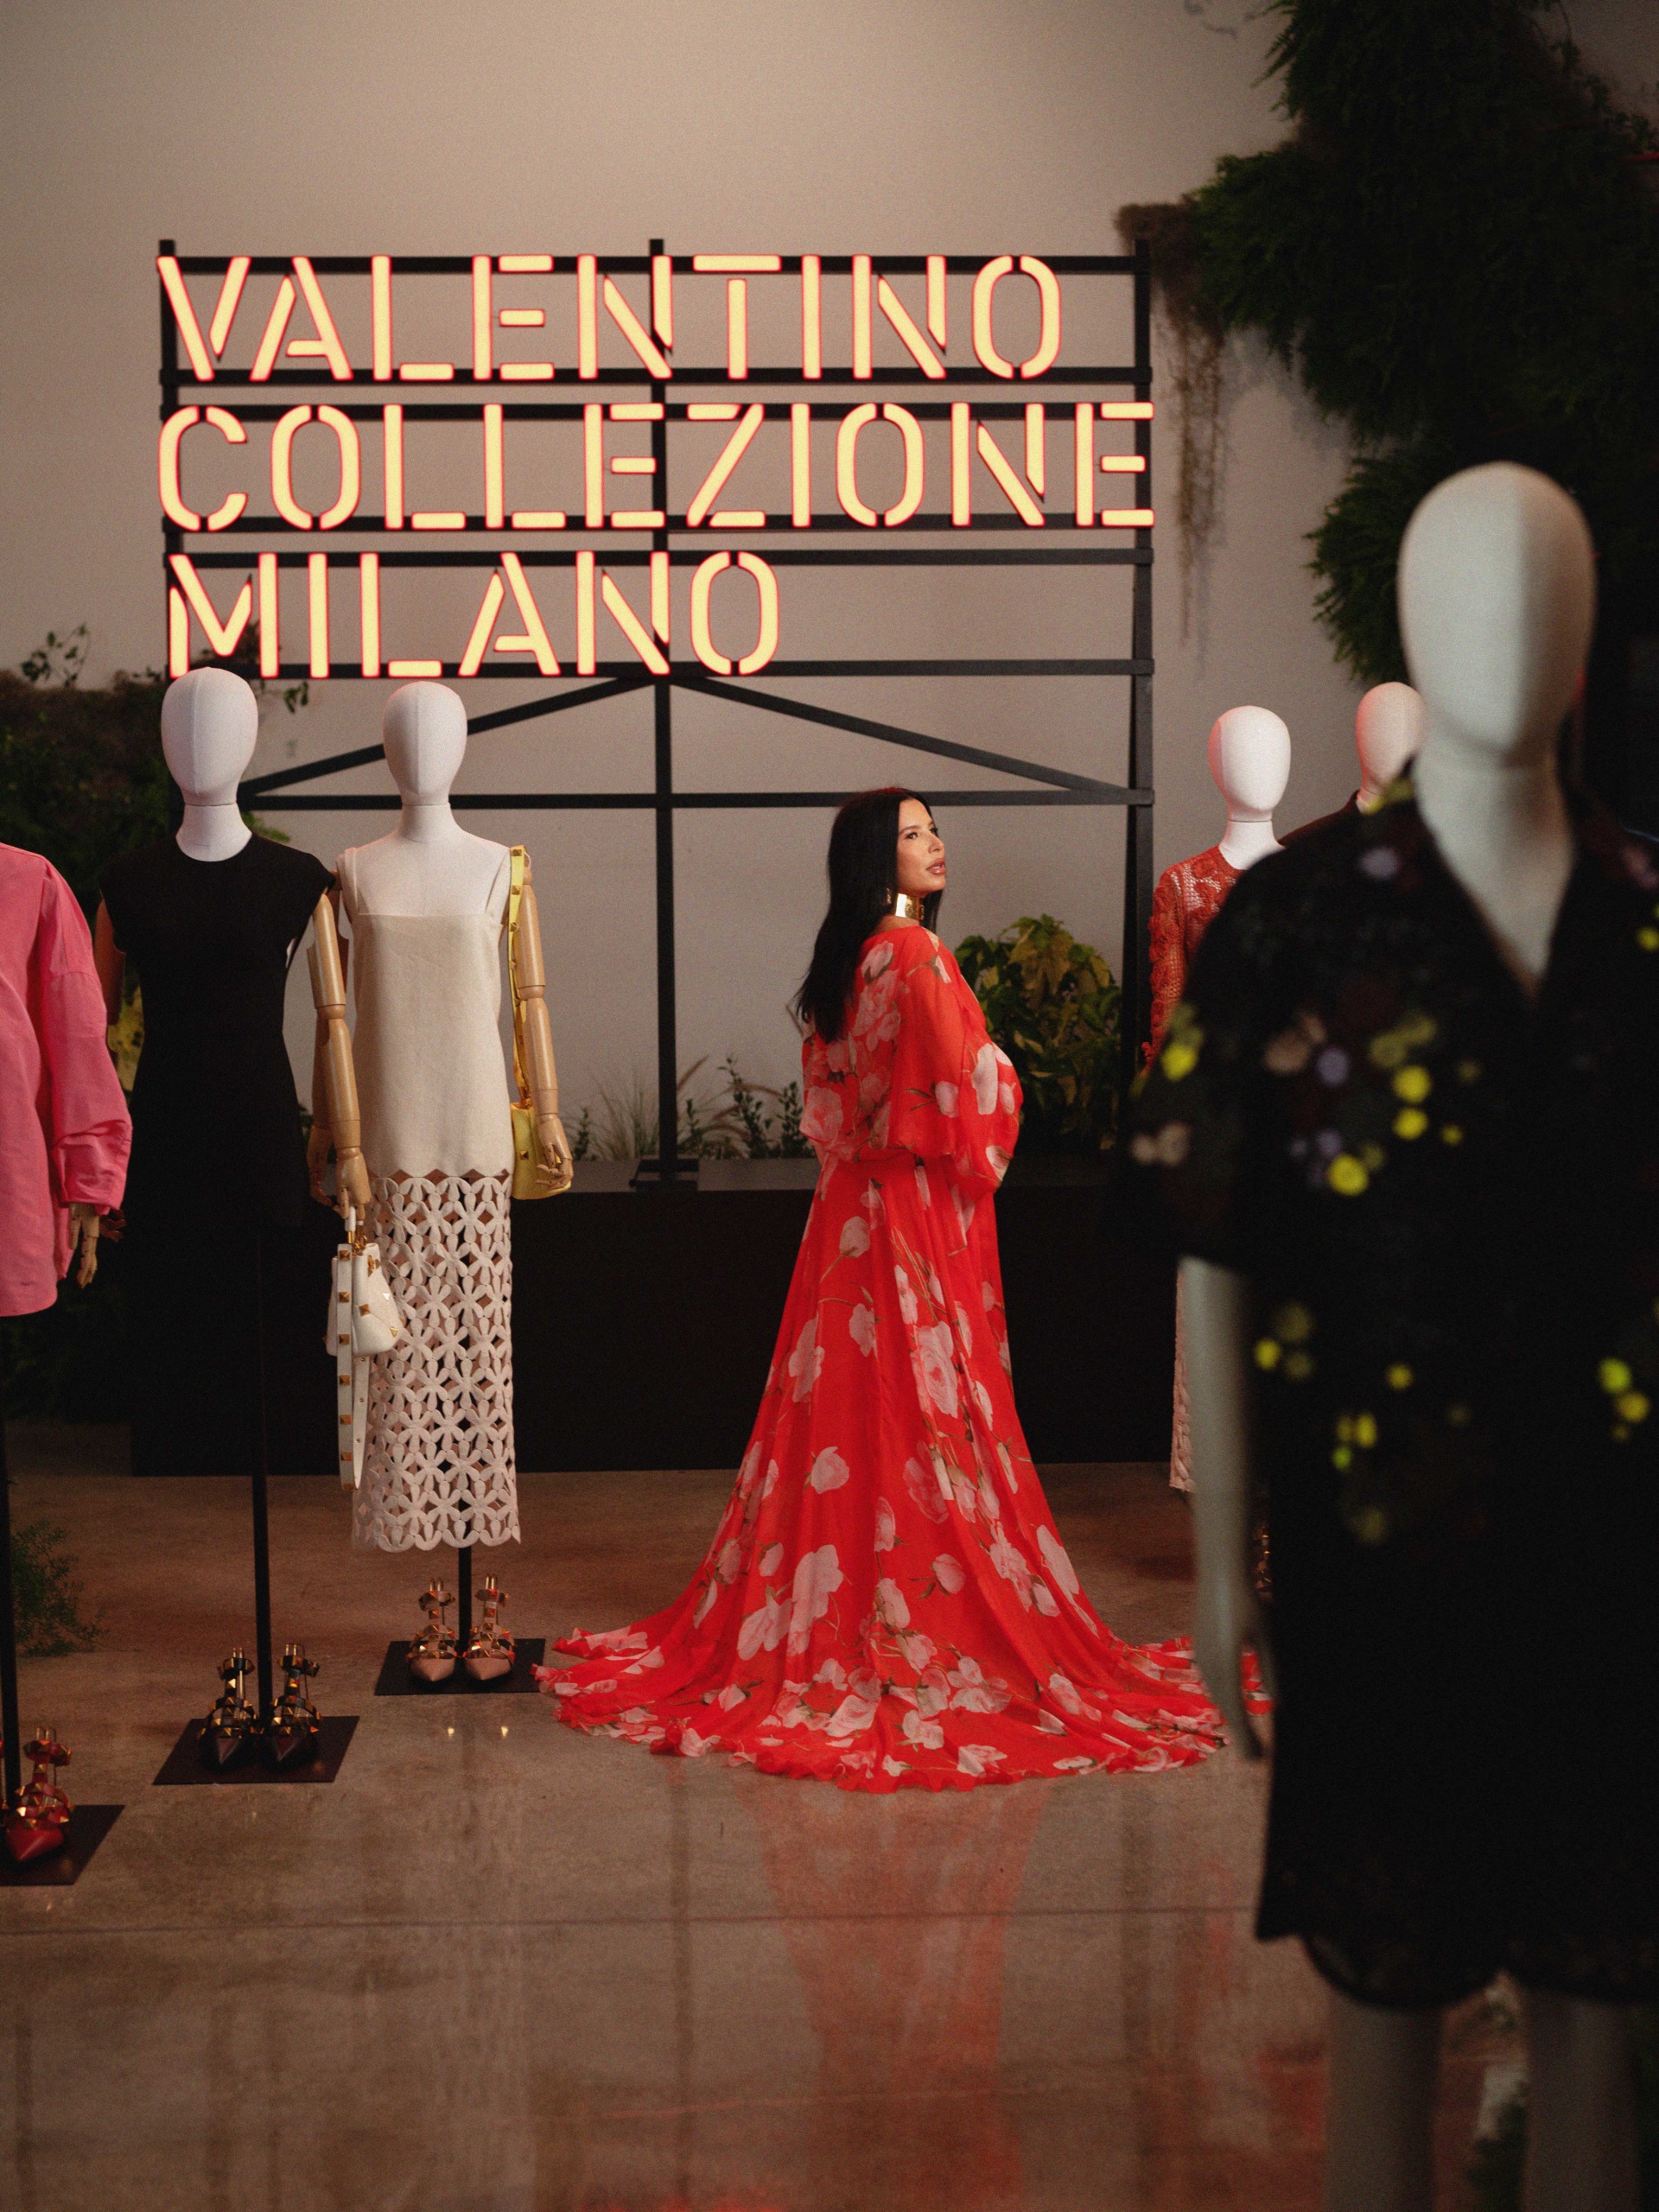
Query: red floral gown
(886, 1602)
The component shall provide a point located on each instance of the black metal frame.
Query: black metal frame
(1052, 787)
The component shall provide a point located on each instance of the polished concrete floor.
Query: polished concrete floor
(500, 1967)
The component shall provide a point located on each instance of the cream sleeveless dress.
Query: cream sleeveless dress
(437, 1142)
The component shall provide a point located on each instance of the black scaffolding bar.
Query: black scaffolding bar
(1036, 785)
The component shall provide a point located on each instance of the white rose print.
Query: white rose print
(806, 1361)
(1054, 1558)
(817, 1577)
(829, 1469)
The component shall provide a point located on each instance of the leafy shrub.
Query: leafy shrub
(1455, 251)
(50, 1623)
(746, 1121)
(1053, 1004)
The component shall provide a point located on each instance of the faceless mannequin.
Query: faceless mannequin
(1249, 761)
(1388, 733)
(429, 865)
(1496, 600)
(210, 724)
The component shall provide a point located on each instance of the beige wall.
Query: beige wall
(903, 126)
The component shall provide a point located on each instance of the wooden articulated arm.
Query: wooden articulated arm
(535, 1039)
(333, 1084)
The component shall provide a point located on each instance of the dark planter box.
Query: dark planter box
(644, 1321)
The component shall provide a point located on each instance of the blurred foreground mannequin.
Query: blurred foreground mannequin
(1249, 761)
(425, 908)
(210, 918)
(1407, 1121)
(1387, 732)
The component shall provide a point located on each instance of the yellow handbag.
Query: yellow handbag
(526, 1142)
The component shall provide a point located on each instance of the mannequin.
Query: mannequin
(212, 917)
(1249, 762)
(1388, 733)
(425, 907)
(1508, 1540)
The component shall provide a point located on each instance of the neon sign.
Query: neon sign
(634, 455)
(562, 594)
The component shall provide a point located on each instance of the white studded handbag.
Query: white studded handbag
(362, 1320)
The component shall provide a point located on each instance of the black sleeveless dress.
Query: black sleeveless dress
(218, 1159)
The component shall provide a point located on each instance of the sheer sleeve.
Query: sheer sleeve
(84, 1113)
(1199, 1124)
(954, 1096)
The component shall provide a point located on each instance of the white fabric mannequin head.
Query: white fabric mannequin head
(429, 864)
(1497, 597)
(210, 725)
(1497, 602)
(1388, 731)
(1250, 759)
(424, 733)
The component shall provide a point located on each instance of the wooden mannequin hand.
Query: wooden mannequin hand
(1230, 1624)
(554, 1172)
(352, 1179)
(84, 1218)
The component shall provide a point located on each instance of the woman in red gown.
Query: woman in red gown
(886, 1602)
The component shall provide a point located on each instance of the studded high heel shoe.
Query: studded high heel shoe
(432, 1654)
(37, 1825)
(227, 1732)
(290, 1734)
(491, 1653)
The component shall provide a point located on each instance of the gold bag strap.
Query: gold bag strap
(519, 860)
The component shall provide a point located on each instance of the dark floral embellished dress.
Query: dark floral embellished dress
(1445, 1192)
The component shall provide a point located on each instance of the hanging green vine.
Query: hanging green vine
(1457, 251)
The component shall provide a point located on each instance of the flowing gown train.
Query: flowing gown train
(886, 1603)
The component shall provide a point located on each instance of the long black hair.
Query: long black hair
(863, 872)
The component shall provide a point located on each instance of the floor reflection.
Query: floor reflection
(530, 1971)
(895, 1913)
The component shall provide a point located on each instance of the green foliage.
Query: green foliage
(68, 1363)
(81, 773)
(1456, 252)
(1052, 1006)
(50, 1623)
(743, 1120)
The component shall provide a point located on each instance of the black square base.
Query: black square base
(395, 1681)
(185, 1764)
(88, 1825)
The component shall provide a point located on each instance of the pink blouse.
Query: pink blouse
(64, 1130)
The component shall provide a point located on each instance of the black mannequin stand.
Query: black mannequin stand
(183, 1763)
(88, 1825)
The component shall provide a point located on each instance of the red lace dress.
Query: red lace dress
(886, 1602)
(1188, 897)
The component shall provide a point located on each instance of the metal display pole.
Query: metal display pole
(1136, 981)
(668, 1083)
(262, 1504)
